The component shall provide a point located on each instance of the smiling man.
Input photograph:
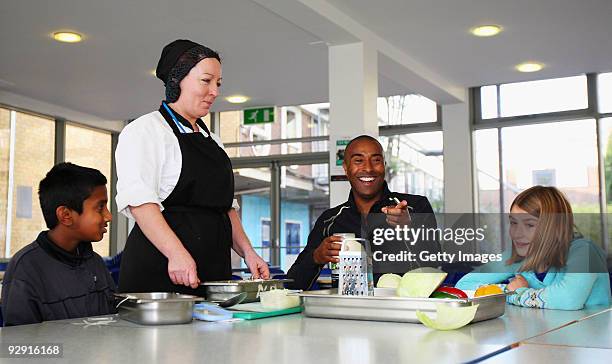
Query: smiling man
(370, 206)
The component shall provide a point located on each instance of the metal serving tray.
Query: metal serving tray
(223, 290)
(156, 308)
(328, 304)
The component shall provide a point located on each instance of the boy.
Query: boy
(59, 276)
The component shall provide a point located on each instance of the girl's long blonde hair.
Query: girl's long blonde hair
(554, 232)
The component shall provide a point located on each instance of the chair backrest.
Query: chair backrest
(276, 271)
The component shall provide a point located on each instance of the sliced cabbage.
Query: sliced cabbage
(277, 299)
(448, 317)
(420, 282)
(388, 280)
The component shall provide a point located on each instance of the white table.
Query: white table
(290, 339)
(592, 332)
(535, 353)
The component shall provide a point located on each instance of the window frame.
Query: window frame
(289, 248)
(59, 156)
(276, 161)
(498, 123)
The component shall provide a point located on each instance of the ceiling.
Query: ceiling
(275, 51)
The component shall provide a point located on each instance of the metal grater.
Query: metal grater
(355, 272)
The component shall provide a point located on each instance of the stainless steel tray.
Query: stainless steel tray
(328, 304)
(222, 290)
(156, 308)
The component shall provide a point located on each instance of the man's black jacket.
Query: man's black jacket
(345, 218)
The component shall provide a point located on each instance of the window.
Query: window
(415, 165)
(606, 146)
(536, 150)
(252, 190)
(5, 143)
(304, 188)
(92, 148)
(604, 85)
(290, 122)
(28, 145)
(566, 158)
(487, 167)
(304, 197)
(406, 109)
(488, 102)
(265, 239)
(291, 128)
(292, 234)
(534, 97)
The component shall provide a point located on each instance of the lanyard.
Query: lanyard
(179, 125)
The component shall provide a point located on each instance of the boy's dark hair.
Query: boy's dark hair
(67, 184)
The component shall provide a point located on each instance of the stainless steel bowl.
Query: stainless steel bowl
(223, 290)
(156, 308)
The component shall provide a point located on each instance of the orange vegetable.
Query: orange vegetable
(488, 290)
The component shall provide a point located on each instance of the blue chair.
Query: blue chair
(276, 271)
(113, 264)
(236, 277)
(455, 272)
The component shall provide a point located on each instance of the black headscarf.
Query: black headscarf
(175, 62)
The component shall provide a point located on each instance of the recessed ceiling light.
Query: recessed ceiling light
(486, 30)
(67, 37)
(237, 99)
(529, 67)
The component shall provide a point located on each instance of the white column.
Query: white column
(353, 89)
(458, 159)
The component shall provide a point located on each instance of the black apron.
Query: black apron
(196, 211)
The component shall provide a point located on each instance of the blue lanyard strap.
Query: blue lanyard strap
(179, 125)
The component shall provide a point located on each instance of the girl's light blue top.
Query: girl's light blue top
(583, 281)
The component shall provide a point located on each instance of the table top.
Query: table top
(293, 338)
(535, 353)
(593, 332)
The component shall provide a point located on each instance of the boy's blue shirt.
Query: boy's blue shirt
(583, 281)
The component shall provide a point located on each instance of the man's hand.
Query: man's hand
(328, 251)
(258, 267)
(398, 214)
(517, 282)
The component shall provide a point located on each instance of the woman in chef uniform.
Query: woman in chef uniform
(176, 181)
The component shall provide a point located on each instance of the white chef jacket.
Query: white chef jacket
(149, 160)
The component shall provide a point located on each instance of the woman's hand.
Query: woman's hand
(517, 282)
(182, 269)
(257, 266)
(181, 266)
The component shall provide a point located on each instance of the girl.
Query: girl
(553, 268)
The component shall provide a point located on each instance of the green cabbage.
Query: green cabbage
(420, 282)
(388, 280)
(277, 299)
(448, 317)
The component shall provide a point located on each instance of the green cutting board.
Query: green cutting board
(245, 315)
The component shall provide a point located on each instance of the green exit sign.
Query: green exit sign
(259, 116)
